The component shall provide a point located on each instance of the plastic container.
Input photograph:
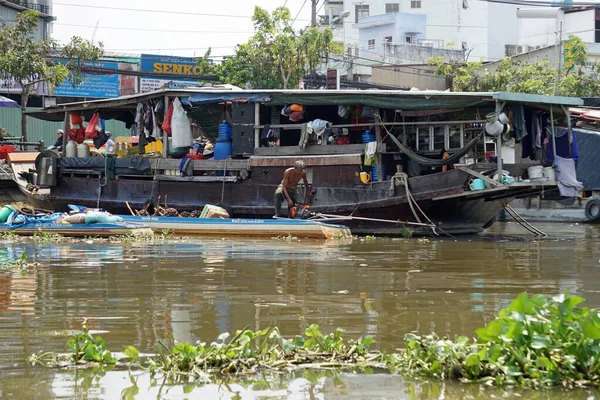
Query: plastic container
(364, 177)
(71, 149)
(368, 136)
(549, 174)
(536, 172)
(5, 213)
(478, 184)
(224, 130)
(375, 173)
(83, 150)
(223, 149)
(5, 149)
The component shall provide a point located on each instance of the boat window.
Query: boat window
(439, 137)
(423, 139)
(454, 133)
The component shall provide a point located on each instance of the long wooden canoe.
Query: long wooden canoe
(75, 230)
(243, 227)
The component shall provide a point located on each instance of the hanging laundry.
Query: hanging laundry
(370, 151)
(566, 177)
(166, 126)
(563, 149)
(182, 129)
(518, 119)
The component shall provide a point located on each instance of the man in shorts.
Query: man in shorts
(287, 190)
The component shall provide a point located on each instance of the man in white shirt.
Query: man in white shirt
(110, 144)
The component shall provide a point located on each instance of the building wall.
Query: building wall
(8, 16)
(483, 27)
(418, 77)
(544, 31)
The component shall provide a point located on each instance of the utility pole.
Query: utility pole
(313, 20)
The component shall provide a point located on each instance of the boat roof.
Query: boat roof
(387, 99)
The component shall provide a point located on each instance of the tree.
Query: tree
(277, 56)
(29, 62)
(578, 80)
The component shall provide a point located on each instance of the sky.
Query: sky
(177, 28)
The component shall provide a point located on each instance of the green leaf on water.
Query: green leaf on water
(473, 360)
(132, 353)
(590, 329)
(492, 331)
(540, 342)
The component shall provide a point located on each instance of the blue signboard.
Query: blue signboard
(170, 65)
(99, 86)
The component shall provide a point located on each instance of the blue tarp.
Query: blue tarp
(237, 97)
(589, 158)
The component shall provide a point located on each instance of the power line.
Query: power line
(157, 11)
(149, 30)
(303, 4)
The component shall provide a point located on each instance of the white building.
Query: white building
(11, 8)
(480, 28)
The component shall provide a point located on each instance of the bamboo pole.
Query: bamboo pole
(380, 176)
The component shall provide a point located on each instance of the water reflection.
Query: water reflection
(195, 290)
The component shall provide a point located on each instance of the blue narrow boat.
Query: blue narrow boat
(243, 227)
(75, 230)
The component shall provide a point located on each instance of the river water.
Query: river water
(198, 288)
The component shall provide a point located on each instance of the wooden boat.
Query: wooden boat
(243, 227)
(76, 230)
(246, 179)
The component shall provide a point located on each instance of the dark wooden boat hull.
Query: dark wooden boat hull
(441, 197)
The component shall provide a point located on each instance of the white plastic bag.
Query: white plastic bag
(180, 126)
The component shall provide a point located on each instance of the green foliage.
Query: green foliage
(29, 62)
(277, 56)
(536, 341)
(85, 347)
(515, 76)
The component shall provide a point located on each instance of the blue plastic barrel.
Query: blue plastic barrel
(223, 149)
(375, 175)
(224, 130)
(368, 136)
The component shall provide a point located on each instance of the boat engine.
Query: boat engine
(300, 211)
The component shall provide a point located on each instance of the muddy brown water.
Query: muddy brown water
(195, 289)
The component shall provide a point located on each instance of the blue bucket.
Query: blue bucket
(477, 184)
(375, 173)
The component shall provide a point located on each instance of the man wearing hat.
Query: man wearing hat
(287, 190)
(59, 140)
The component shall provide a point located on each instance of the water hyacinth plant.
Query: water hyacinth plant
(536, 341)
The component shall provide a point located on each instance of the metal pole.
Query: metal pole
(65, 136)
(498, 145)
(380, 176)
(313, 20)
(553, 132)
(256, 125)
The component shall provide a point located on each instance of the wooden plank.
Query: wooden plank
(27, 157)
(202, 165)
(208, 178)
(480, 176)
(310, 150)
(309, 161)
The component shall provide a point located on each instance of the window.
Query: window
(371, 43)
(409, 39)
(361, 11)
(415, 3)
(387, 39)
(391, 8)
(439, 137)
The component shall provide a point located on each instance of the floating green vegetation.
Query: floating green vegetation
(534, 342)
(22, 263)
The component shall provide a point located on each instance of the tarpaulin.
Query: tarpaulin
(589, 158)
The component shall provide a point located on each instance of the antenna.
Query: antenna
(95, 30)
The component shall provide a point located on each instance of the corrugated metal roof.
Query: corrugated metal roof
(406, 100)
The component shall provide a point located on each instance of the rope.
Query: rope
(223, 187)
(361, 200)
(521, 221)
(429, 161)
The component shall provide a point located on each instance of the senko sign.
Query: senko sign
(170, 65)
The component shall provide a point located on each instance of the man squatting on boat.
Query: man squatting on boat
(287, 190)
